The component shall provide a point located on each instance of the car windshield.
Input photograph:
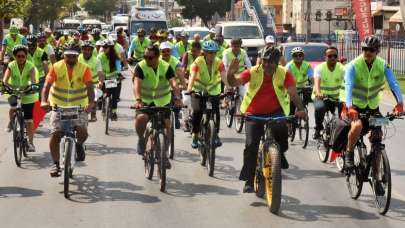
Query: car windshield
(244, 32)
(192, 33)
(312, 53)
(147, 25)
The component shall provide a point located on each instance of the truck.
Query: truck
(147, 18)
(120, 20)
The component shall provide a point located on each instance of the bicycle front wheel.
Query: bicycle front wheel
(171, 148)
(272, 174)
(239, 121)
(161, 152)
(228, 116)
(212, 135)
(68, 146)
(107, 111)
(354, 177)
(149, 156)
(381, 182)
(304, 131)
(323, 147)
(17, 141)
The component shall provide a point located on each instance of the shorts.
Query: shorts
(166, 115)
(81, 122)
(28, 109)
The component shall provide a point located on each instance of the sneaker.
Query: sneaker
(114, 116)
(80, 154)
(93, 117)
(284, 162)
(194, 143)
(248, 188)
(378, 188)
(55, 170)
(349, 159)
(9, 127)
(217, 141)
(31, 147)
(177, 123)
(141, 146)
(317, 134)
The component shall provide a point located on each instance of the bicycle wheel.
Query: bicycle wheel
(229, 115)
(239, 121)
(68, 146)
(323, 144)
(107, 113)
(354, 178)
(17, 141)
(23, 139)
(211, 136)
(171, 148)
(202, 147)
(149, 157)
(292, 128)
(382, 178)
(272, 174)
(304, 131)
(162, 156)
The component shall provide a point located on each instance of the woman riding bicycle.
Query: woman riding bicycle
(21, 73)
(206, 75)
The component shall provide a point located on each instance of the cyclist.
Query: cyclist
(94, 63)
(301, 70)
(165, 49)
(223, 45)
(96, 36)
(39, 58)
(163, 37)
(271, 87)
(76, 39)
(20, 73)
(47, 48)
(63, 40)
(50, 38)
(210, 35)
(328, 79)
(183, 45)
(122, 37)
(138, 46)
(197, 38)
(271, 42)
(153, 79)
(153, 35)
(10, 41)
(365, 79)
(111, 67)
(206, 75)
(65, 94)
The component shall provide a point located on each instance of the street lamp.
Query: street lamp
(329, 18)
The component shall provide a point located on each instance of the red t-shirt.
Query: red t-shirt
(266, 101)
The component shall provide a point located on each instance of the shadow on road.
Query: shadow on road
(88, 189)
(295, 173)
(397, 207)
(121, 132)
(98, 149)
(13, 192)
(179, 189)
(396, 172)
(232, 140)
(36, 161)
(194, 156)
(226, 172)
(293, 209)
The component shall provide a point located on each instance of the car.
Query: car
(203, 31)
(314, 52)
(250, 33)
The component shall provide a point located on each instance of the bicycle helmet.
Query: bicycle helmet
(210, 46)
(141, 30)
(271, 53)
(99, 43)
(13, 29)
(20, 47)
(87, 43)
(71, 49)
(297, 50)
(371, 42)
(41, 35)
(96, 31)
(31, 39)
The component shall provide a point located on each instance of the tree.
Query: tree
(10, 9)
(204, 9)
(99, 7)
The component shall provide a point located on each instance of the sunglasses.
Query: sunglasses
(149, 57)
(297, 55)
(369, 49)
(20, 56)
(332, 56)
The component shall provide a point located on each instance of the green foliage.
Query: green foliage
(99, 7)
(13, 8)
(204, 9)
(176, 22)
(49, 10)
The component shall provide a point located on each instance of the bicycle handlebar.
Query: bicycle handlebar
(33, 88)
(270, 119)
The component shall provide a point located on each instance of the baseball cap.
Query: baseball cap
(270, 39)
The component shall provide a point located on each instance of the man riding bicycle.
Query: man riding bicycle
(301, 70)
(269, 92)
(12, 39)
(39, 58)
(72, 86)
(19, 74)
(328, 79)
(138, 46)
(153, 81)
(207, 72)
(365, 79)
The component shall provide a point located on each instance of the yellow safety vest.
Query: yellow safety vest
(205, 81)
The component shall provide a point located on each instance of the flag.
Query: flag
(362, 11)
(38, 114)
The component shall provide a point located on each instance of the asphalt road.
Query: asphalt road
(109, 189)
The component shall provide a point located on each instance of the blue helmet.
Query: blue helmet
(210, 46)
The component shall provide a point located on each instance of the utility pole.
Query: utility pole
(232, 17)
(167, 8)
(308, 14)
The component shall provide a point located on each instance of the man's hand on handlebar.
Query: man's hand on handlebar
(302, 114)
(398, 110)
(138, 104)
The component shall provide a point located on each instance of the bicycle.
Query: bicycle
(207, 134)
(268, 179)
(323, 143)
(20, 139)
(172, 126)
(302, 125)
(232, 111)
(67, 116)
(156, 143)
(372, 167)
(106, 102)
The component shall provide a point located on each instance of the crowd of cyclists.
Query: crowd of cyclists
(175, 70)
